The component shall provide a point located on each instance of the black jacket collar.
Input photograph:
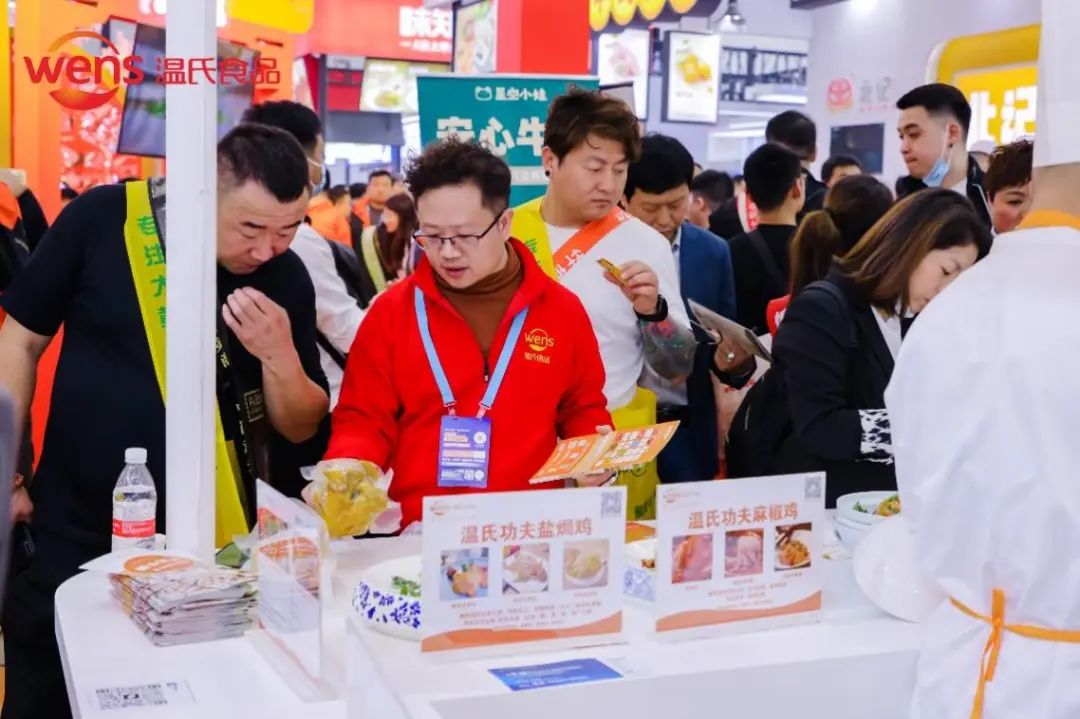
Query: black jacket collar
(862, 314)
(975, 192)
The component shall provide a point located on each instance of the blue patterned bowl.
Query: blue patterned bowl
(639, 582)
(383, 607)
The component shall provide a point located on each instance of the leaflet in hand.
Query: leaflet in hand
(732, 332)
(597, 453)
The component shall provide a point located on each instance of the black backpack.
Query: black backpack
(348, 269)
(763, 421)
(759, 428)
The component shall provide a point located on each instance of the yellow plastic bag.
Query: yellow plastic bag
(640, 482)
(347, 495)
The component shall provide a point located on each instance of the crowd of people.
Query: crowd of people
(373, 322)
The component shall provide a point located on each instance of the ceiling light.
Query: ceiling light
(732, 16)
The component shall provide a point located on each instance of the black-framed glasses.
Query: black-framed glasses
(456, 241)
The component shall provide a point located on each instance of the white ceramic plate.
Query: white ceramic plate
(845, 507)
(888, 572)
(641, 550)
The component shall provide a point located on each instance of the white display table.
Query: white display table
(856, 663)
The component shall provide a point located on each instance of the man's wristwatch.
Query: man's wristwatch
(660, 315)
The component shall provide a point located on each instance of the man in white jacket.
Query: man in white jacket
(337, 314)
(985, 410)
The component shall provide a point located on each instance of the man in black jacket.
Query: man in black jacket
(774, 178)
(798, 133)
(934, 124)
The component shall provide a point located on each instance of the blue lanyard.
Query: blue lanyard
(437, 369)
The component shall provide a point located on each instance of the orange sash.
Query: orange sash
(585, 239)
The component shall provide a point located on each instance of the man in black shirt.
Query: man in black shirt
(775, 179)
(106, 395)
(796, 132)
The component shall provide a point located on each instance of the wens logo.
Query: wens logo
(106, 73)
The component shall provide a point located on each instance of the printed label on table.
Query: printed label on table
(156, 694)
(741, 553)
(517, 567)
(555, 674)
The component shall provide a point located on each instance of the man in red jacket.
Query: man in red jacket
(463, 376)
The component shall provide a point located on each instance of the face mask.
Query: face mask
(939, 170)
(324, 183)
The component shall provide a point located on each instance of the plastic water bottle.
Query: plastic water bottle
(134, 521)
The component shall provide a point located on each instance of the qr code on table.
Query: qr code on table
(148, 695)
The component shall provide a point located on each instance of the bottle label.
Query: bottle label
(141, 528)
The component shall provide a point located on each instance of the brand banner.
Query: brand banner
(506, 113)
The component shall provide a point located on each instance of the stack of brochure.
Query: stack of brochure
(194, 604)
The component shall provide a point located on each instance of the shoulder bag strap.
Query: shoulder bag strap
(757, 241)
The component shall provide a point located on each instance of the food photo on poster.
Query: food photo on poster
(626, 57)
(691, 77)
(476, 28)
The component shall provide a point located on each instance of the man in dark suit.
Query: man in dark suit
(658, 193)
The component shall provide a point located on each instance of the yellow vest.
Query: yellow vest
(147, 260)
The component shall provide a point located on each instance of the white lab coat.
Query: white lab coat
(985, 412)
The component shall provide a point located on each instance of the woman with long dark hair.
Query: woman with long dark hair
(382, 248)
(834, 352)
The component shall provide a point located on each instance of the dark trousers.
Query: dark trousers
(35, 687)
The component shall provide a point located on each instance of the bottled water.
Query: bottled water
(134, 504)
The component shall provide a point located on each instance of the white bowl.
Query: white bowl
(888, 571)
(850, 533)
(845, 507)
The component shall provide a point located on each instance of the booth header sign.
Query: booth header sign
(84, 81)
(506, 113)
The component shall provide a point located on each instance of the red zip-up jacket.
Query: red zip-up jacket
(390, 408)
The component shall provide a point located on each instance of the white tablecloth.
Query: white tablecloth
(856, 663)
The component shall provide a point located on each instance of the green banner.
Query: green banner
(506, 113)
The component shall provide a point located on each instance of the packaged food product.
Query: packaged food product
(348, 495)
